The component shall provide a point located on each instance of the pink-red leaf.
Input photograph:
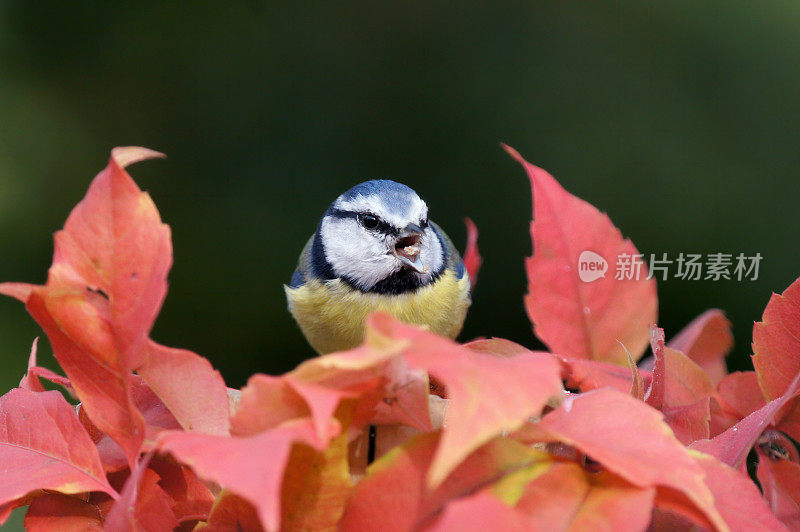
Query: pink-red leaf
(395, 495)
(707, 340)
(576, 318)
(631, 440)
(44, 446)
(54, 511)
(142, 505)
(776, 342)
(479, 513)
(780, 481)
(736, 498)
(472, 257)
(567, 498)
(732, 446)
(198, 398)
(114, 241)
(104, 289)
(487, 395)
(258, 478)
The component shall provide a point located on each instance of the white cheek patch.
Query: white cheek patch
(430, 252)
(355, 253)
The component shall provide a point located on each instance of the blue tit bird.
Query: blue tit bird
(376, 250)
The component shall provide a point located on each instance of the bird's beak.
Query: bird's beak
(406, 248)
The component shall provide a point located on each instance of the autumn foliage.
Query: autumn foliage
(140, 436)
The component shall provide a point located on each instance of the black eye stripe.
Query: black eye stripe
(382, 225)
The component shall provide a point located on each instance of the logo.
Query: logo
(591, 266)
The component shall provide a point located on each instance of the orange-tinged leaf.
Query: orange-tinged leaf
(198, 399)
(577, 318)
(54, 511)
(231, 514)
(44, 446)
(736, 497)
(259, 477)
(567, 498)
(732, 446)
(316, 487)
(707, 340)
(472, 257)
(780, 481)
(631, 440)
(487, 395)
(374, 380)
(395, 496)
(776, 342)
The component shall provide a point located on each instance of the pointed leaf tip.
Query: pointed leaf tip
(125, 156)
(588, 287)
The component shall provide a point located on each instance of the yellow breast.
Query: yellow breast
(332, 313)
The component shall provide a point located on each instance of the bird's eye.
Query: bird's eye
(369, 221)
(423, 223)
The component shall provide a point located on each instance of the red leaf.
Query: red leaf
(472, 257)
(568, 498)
(487, 395)
(576, 318)
(776, 342)
(732, 446)
(780, 481)
(44, 446)
(104, 289)
(63, 513)
(198, 399)
(707, 340)
(142, 505)
(189, 498)
(252, 467)
(600, 423)
(114, 241)
(736, 498)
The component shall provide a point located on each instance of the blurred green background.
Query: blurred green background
(679, 119)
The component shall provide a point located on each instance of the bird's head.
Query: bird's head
(377, 237)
